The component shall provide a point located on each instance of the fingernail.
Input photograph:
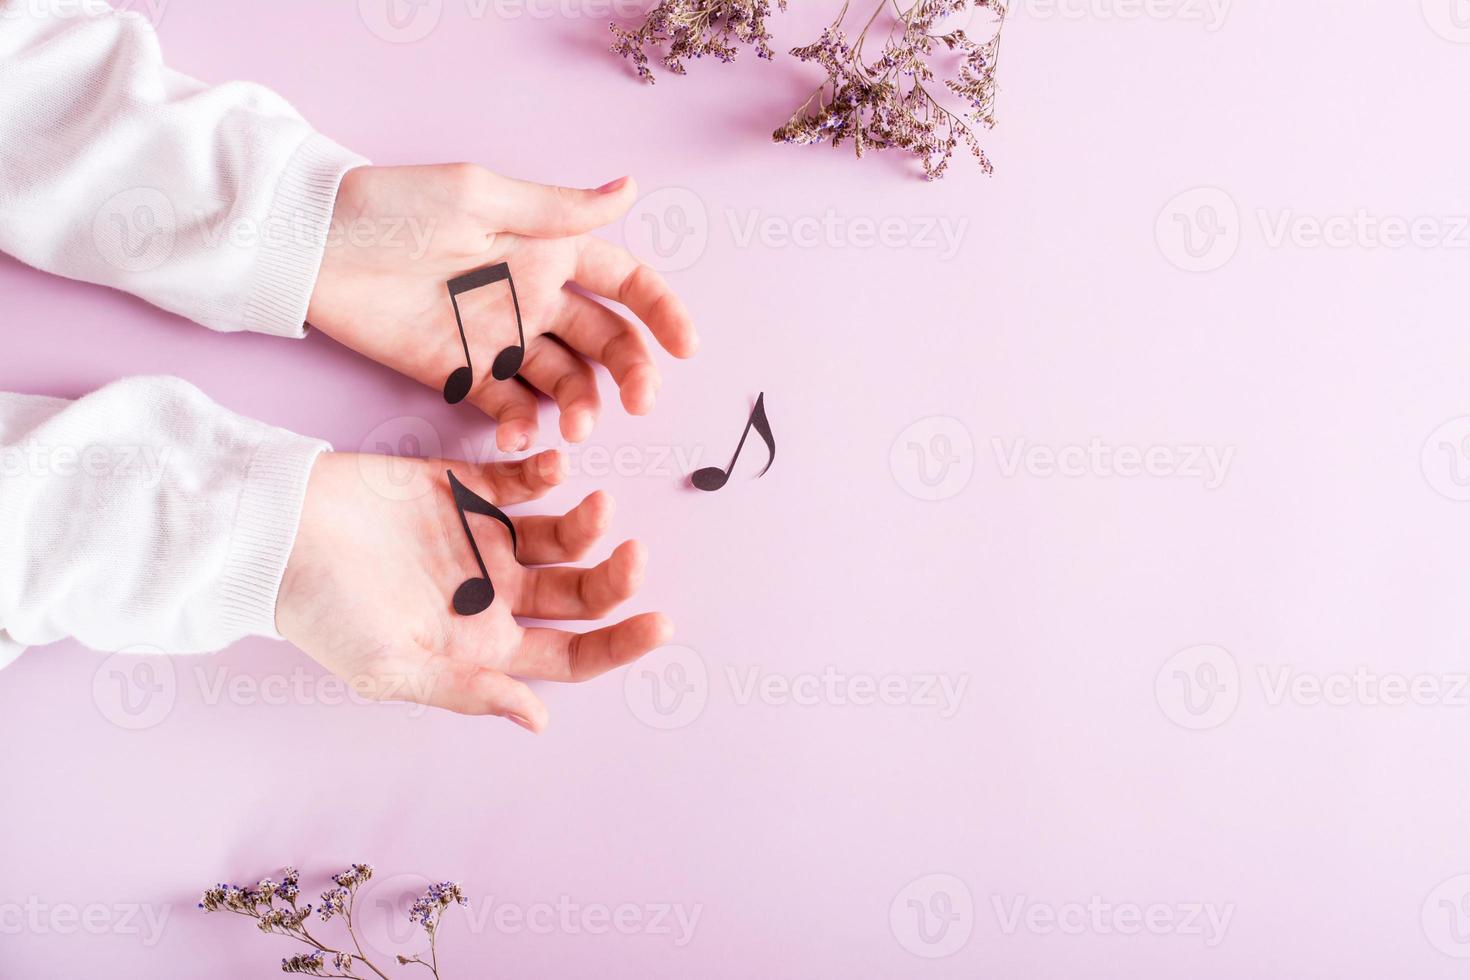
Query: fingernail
(523, 441)
(612, 185)
(522, 722)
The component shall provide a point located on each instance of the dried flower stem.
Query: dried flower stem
(352, 933)
(883, 103)
(878, 103)
(289, 919)
(691, 29)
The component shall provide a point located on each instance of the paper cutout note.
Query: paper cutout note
(508, 361)
(711, 478)
(475, 595)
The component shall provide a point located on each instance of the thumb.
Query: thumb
(545, 211)
(467, 688)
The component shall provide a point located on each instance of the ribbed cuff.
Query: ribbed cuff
(291, 255)
(265, 531)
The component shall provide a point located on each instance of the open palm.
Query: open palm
(381, 552)
(399, 234)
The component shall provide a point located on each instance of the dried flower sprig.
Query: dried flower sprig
(884, 102)
(426, 912)
(288, 918)
(881, 103)
(691, 29)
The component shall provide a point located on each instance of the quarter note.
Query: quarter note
(712, 477)
(508, 361)
(475, 594)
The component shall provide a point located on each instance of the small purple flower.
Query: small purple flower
(426, 910)
(334, 902)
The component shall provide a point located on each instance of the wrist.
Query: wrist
(267, 523)
(288, 265)
(291, 595)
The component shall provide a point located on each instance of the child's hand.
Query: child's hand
(400, 233)
(381, 552)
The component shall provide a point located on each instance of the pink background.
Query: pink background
(1075, 769)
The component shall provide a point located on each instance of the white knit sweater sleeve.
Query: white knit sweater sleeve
(143, 515)
(210, 202)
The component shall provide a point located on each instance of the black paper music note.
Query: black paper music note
(712, 477)
(508, 361)
(475, 594)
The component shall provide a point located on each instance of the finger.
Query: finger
(514, 481)
(470, 689)
(558, 655)
(544, 540)
(569, 380)
(613, 273)
(609, 339)
(513, 407)
(559, 592)
(546, 211)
